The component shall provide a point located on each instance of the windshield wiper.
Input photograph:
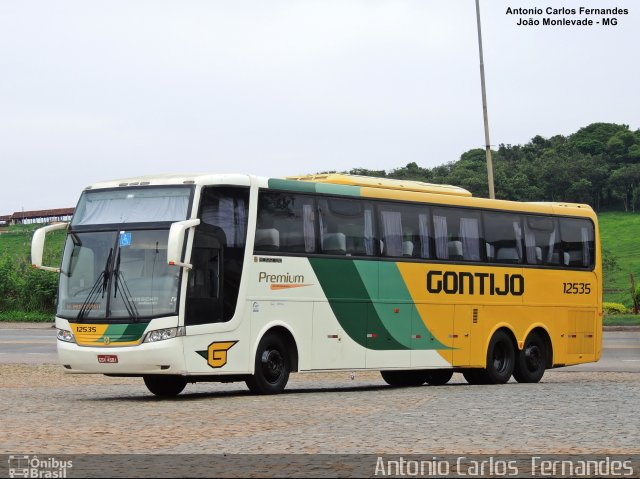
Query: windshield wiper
(129, 304)
(101, 281)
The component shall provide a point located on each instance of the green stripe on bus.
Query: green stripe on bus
(352, 304)
(343, 190)
(292, 185)
(122, 333)
(395, 287)
(312, 187)
(353, 291)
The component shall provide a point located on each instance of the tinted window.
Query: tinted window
(503, 237)
(347, 227)
(286, 222)
(457, 234)
(405, 230)
(577, 242)
(542, 240)
(225, 209)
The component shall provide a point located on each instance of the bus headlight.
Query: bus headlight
(162, 334)
(66, 336)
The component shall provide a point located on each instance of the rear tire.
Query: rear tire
(404, 378)
(165, 386)
(531, 362)
(501, 358)
(438, 377)
(272, 366)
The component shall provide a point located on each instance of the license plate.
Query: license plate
(107, 358)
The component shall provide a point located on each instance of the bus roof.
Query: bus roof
(386, 183)
(366, 186)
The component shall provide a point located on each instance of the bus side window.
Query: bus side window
(458, 234)
(503, 237)
(286, 223)
(347, 226)
(404, 231)
(542, 240)
(577, 242)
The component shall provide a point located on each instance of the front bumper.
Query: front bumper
(162, 357)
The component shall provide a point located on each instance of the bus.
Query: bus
(181, 279)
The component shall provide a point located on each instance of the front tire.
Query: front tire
(438, 377)
(272, 366)
(531, 361)
(475, 377)
(404, 378)
(165, 386)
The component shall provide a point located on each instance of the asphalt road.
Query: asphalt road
(621, 350)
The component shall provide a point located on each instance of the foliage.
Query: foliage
(598, 165)
(619, 234)
(23, 288)
(610, 267)
(614, 308)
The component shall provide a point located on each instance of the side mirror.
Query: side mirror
(37, 246)
(176, 242)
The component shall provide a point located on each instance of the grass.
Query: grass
(621, 320)
(620, 234)
(15, 242)
(26, 317)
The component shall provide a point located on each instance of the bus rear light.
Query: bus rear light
(372, 335)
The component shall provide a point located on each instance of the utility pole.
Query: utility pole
(492, 193)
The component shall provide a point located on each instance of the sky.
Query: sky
(92, 91)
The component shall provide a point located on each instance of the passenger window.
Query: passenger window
(286, 223)
(404, 231)
(503, 238)
(457, 234)
(542, 241)
(346, 227)
(577, 242)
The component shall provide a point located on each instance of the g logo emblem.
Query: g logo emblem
(107, 340)
(217, 353)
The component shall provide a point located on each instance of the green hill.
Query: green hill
(620, 235)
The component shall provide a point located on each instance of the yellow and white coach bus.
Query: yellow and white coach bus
(180, 279)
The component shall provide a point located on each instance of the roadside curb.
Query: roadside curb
(27, 325)
(621, 328)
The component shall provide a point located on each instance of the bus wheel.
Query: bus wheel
(271, 367)
(475, 376)
(438, 377)
(531, 361)
(404, 378)
(501, 358)
(165, 386)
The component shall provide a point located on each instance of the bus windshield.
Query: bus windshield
(117, 275)
(132, 205)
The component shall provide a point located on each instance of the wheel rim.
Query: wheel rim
(533, 357)
(272, 365)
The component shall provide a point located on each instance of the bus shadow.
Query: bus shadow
(194, 396)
